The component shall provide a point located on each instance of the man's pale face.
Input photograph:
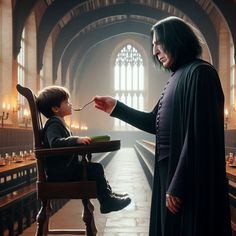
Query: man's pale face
(158, 51)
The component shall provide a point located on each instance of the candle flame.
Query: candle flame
(226, 112)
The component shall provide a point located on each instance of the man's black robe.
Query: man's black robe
(195, 168)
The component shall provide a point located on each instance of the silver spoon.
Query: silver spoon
(81, 108)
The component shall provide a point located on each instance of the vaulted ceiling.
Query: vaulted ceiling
(77, 25)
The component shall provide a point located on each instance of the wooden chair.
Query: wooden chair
(46, 191)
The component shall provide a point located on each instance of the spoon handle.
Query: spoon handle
(81, 108)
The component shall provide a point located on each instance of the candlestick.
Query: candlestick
(26, 118)
(16, 107)
(5, 114)
(3, 117)
(226, 118)
(3, 106)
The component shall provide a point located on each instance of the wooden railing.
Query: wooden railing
(149, 144)
(145, 151)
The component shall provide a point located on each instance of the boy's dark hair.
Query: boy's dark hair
(177, 38)
(51, 96)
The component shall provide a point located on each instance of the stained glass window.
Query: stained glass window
(129, 80)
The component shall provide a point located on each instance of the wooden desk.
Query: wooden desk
(18, 204)
(13, 167)
(16, 175)
(231, 173)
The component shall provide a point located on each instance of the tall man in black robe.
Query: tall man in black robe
(190, 195)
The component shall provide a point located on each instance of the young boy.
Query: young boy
(53, 102)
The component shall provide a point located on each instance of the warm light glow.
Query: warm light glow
(75, 126)
(226, 112)
(26, 113)
(16, 106)
(84, 127)
(6, 106)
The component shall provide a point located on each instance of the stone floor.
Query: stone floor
(124, 174)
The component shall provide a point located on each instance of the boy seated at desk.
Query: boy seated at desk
(53, 102)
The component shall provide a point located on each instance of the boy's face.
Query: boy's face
(64, 109)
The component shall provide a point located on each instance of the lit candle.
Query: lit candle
(26, 113)
(3, 106)
(8, 107)
(226, 113)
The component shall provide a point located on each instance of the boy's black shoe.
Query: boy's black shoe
(114, 203)
(120, 194)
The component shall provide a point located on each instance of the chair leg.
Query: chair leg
(43, 219)
(88, 218)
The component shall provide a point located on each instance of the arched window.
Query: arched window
(21, 71)
(129, 80)
(232, 79)
(21, 61)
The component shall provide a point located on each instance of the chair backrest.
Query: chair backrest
(37, 127)
(56, 190)
(35, 115)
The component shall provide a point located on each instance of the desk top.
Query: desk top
(231, 173)
(13, 167)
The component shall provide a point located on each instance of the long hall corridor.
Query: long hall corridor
(125, 174)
